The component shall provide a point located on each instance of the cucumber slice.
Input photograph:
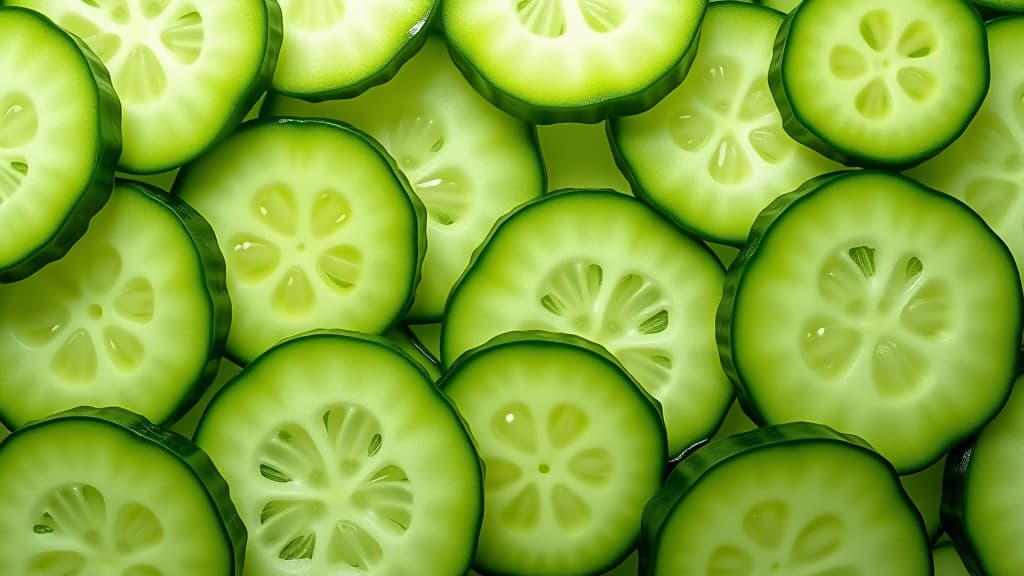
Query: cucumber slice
(186, 71)
(135, 315)
(336, 49)
(608, 268)
(572, 446)
(713, 152)
(318, 227)
(880, 83)
(984, 166)
(785, 6)
(468, 163)
(947, 561)
(344, 458)
(550, 61)
(86, 492)
(791, 499)
(864, 301)
(1008, 5)
(982, 504)
(54, 91)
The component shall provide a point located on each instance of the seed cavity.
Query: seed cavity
(592, 466)
(276, 207)
(330, 213)
(847, 62)
(918, 40)
(253, 258)
(294, 294)
(75, 361)
(874, 100)
(766, 522)
(876, 29)
(514, 426)
(140, 78)
(730, 560)
(603, 15)
(542, 17)
(19, 125)
(818, 540)
(692, 130)
(183, 37)
(571, 512)
(566, 424)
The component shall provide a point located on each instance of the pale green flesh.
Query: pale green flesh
(467, 162)
(597, 50)
(605, 267)
(180, 67)
(797, 510)
(83, 498)
(713, 152)
(41, 178)
(985, 166)
(993, 502)
(866, 306)
(109, 324)
(342, 456)
(307, 245)
(333, 44)
(947, 562)
(893, 80)
(572, 453)
(578, 156)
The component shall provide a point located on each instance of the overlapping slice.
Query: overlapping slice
(343, 457)
(135, 315)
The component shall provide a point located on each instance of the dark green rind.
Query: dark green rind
(108, 150)
(954, 506)
(176, 446)
(774, 212)
(417, 207)
(692, 470)
(589, 113)
(798, 128)
(991, 5)
(417, 37)
(527, 339)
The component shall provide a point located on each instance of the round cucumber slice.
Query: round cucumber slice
(186, 71)
(86, 492)
(550, 61)
(466, 161)
(608, 268)
(318, 227)
(338, 49)
(982, 504)
(797, 498)
(344, 458)
(54, 91)
(880, 83)
(713, 152)
(135, 315)
(865, 301)
(572, 446)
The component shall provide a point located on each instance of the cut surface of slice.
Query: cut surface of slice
(186, 72)
(880, 83)
(572, 446)
(713, 152)
(864, 301)
(606, 267)
(135, 315)
(318, 228)
(338, 49)
(55, 91)
(556, 61)
(344, 458)
(467, 162)
(86, 492)
(797, 498)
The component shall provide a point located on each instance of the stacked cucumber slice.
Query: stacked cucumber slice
(511, 287)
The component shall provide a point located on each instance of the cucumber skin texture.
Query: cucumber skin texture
(108, 153)
(591, 113)
(187, 453)
(417, 37)
(685, 476)
(954, 505)
(795, 127)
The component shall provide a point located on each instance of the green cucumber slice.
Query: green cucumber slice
(135, 315)
(864, 301)
(467, 162)
(797, 498)
(54, 91)
(985, 166)
(880, 83)
(186, 71)
(713, 152)
(344, 458)
(572, 446)
(606, 267)
(550, 61)
(318, 227)
(86, 492)
(982, 504)
(338, 49)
